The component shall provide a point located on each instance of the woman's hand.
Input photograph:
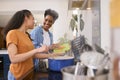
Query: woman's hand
(53, 46)
(43, 48)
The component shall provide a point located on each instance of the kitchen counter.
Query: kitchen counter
(39, 75)
(3, 52)
(33, 75)
(49, 75)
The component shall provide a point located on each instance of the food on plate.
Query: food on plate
(62, 48)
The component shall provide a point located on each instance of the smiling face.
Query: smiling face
(48, 21)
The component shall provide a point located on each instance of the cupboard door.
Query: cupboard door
(4, 66)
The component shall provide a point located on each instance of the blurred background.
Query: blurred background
(99, 21)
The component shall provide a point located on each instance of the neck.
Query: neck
(45, 29)
(22, 29)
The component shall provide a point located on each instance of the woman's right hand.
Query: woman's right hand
(43, 48)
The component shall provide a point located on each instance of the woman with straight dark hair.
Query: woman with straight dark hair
(19, 45)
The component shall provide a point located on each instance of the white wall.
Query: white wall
(88, 25)
(87, 18)
(61, 6)
(116, 40)
(105, 24)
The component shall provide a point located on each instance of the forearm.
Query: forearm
(44, 55)
(21, 57)
(16, 57)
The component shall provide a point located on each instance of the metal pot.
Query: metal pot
(68, 74)
(57, 63)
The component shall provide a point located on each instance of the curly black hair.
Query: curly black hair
(52, 13)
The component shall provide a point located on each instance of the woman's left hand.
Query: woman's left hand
(53, 46)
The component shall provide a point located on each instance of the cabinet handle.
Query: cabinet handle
(0, 61)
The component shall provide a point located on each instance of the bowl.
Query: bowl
(57, 63)
(68, 74)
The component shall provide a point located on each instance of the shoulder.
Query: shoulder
(12, 36)
(37, 29)
(12, 32)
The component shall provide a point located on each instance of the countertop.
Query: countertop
(50, 75)
(37, 75)
(3, 52)
(40, 75)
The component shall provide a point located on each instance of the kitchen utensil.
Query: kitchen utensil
(68, 74)
(80, 69)
(103, 64)
(77, 46)
(58, 62)
(76, 68)
(99, 49)
(91, 58)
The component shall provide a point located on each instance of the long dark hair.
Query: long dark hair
(16, 21)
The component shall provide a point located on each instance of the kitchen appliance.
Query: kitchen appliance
(58, 62)
(77, 46)
(68, 74)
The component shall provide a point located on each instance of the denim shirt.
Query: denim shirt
(37, 36)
